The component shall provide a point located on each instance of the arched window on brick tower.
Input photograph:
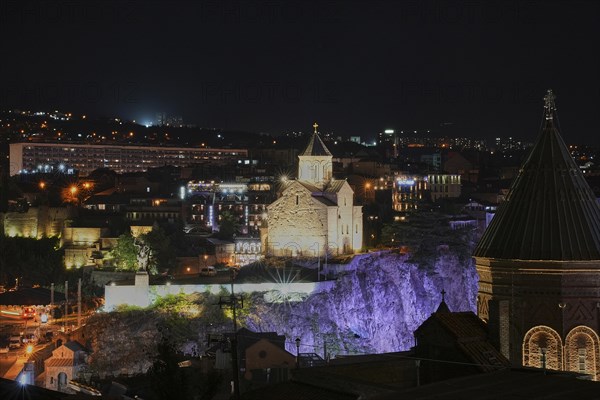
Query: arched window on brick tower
(542, 342)
(582, 355)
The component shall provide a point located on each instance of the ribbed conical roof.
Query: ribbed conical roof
(550, 212)
(316, 147)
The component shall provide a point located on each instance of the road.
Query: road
(12, 362)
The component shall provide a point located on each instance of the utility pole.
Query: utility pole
(66, 304)
(79, 303)
(231, 302)
(52, 301)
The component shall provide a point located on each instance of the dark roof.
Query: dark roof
(471, 337)
(550, 212)
(443, 308)
(74, 345)
(316, 147)
(30, 297)
(507, 384)
(296, 391)
(13, 390)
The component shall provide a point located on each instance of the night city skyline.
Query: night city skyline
(295, 200)
(276, 67)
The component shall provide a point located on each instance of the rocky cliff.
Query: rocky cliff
(375, 305)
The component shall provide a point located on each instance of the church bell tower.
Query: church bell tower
(315, 162)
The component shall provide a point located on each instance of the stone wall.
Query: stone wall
(144, 296)
(101, 278)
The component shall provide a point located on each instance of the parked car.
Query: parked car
(14, 342)
(208, 271)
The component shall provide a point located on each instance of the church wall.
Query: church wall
(296, 224)
(315, 169)
(559, 296)
(357, 221)
(333, 231)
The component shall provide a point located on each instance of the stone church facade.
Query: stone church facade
(314, 214)
(539, 263)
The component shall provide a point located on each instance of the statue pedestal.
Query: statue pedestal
(142, 278)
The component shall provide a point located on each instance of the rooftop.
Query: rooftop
(316, 147)
(550, 212)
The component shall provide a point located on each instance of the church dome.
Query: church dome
(550, 212)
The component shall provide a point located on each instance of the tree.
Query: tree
(228, 226)
(163, 254)
(37, 260)
(125, 253)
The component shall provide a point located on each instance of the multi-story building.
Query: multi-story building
(443, 186)
(411, 190)
(247, 202)
(85, 158)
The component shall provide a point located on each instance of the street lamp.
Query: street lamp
(297, 352)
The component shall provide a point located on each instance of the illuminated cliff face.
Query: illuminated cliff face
(374, 307)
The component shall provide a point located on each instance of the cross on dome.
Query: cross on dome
(549, 105)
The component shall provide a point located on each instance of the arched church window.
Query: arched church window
(581, 347)
(542, 345)
(297, 199)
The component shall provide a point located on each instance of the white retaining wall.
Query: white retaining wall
(144, 295)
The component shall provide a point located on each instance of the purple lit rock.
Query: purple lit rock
(375, 306)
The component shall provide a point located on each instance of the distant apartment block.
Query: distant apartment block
(85, 158)
(410, 191)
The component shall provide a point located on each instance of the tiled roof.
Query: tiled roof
(59, 362)
(335, 185)
(471, 337)
(325, 201)
(550, 212)
(316, 147)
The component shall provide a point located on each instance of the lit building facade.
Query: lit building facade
(85, 158)
(247, 202)
(539, 263)
(315, 214)
(410, 191)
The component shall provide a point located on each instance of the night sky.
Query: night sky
(278, 66)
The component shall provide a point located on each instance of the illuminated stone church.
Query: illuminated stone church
(539, 262)
(315, 213)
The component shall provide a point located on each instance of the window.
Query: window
(297, 199)
(581, 359)
(542, 357)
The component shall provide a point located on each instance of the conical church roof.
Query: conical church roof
(316, 147)
(550, 212)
